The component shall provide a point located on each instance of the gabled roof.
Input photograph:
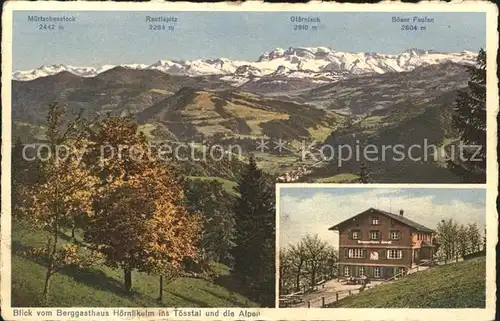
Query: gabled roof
(397, 217)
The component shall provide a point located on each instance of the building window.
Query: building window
(374, 235)
(376, 272)
(394, 254)
(347, 271)
(401, 270)
(419, 237)
(395, 235)
(361, 271)
(356, 235)
(375, 221)
(356, 253)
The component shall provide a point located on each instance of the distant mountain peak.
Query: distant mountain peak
(416, 51)
(302, 62)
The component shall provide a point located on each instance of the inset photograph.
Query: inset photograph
(360, 247)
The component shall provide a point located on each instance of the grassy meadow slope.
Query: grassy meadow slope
(101, 286)
(457, 285)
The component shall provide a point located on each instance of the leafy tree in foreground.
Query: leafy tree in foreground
(298, 258)
(330, 262)
(139, 222)
(457, 240)
(285, 270)
(66, 190)
(254, 253)
(473, 236)
(462, 241)
(470, 121)
(318, 256)
(446, 234)
(484, 241)
(308, 261)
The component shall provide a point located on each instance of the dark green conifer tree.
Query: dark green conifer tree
(364, 174)
(470, 120)
(254, 253)
(18, 161)
(215, 204)
(19, 174)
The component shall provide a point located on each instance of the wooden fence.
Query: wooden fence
(327, 299)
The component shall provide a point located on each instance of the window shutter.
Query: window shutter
(346, 252)
(360, 235)
(382, 254)
(400, 235)
(389, 236)
(364, 253)
(402, 253)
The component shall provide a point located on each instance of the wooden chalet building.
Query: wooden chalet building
(379, 244)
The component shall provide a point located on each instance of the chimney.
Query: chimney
(401, 212)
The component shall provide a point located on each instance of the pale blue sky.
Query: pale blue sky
(475, 197)
(99, 38)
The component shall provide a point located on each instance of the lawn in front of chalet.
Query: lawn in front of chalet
(456, 285)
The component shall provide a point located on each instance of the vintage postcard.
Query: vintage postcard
(252, 161)
(360, 246)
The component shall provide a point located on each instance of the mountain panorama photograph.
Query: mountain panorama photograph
(303, 112)
(144, 161)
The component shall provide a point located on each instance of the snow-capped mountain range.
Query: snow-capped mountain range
(318, 63)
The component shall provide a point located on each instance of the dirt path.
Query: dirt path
(328, 291)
